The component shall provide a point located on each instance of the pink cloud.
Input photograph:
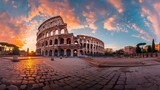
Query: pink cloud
(90, 20)
(110, 23)
(154, 18)
(142, 33)
(117, 4)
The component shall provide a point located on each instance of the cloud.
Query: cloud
(110, 23)
(90, 20)
(47, 9)
(12, 30)
(142, 33)
(140, 1)
(117, 4)
(154, 18)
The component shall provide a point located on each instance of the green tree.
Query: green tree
(153, 46)
(149, 49)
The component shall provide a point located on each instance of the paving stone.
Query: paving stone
(2, 86)
(12, 87)
(23, 87)
(119, 87)
(46, 88)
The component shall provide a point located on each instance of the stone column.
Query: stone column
(65, 40)
(65, 30)
(72, 40)
(52, 52)
(59, 31)
(65, 52)
(78, 51)
(71, 52)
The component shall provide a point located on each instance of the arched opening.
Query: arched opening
(76, 42)
(51, 33)
(91, 53)
(56, 41)
(56, 32)
(50, 42)
(75, 52)
(81, 52)
(46, 43)
(61, 53)
(47, 34)
(61, 41)
(68, 52)
(68, 41)
(50, 53)
(46, 53)
(42, 53)
(62, 31)
(56, 53)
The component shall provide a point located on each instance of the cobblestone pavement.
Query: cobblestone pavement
(74, 74)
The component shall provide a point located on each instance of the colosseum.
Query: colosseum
(53, 39)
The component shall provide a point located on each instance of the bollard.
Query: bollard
(15, 58)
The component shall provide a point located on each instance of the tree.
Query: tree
(149, 49)
(138, 49)
(15, 51)
(153, 46)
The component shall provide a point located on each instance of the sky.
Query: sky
(118, 23)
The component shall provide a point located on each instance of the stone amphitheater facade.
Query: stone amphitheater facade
(53, 39)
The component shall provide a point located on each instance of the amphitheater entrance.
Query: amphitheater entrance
(68, 52)
(42, 53)
(46, 53)
(81, 52)
(75, 53)
(50, 53)
(61, 53)
(56, 53)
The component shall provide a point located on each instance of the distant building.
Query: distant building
(157, 47)
(129, 50)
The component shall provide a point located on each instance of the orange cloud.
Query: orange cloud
(117, 4)
(48, 9)
(110, 23)
(12, 30)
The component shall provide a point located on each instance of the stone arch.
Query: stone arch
(61, 52)
(56, 32)
(50, 53)
(50, 42)
(56, 41)
(47, 34)
(68, 52)
(46, 43)
(61, 41)
(68, 41)
(56, 52)
(62, 31)
(46, 53)
(51, 33)
(75, 52)
(42, 53)
(81, 51)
